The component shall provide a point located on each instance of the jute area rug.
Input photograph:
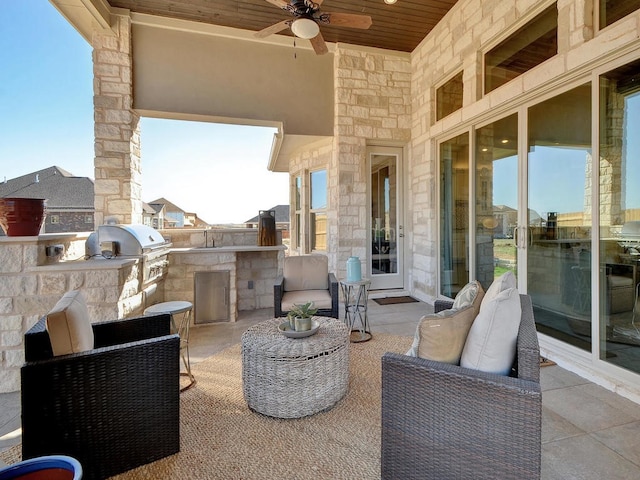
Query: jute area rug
(220, 438)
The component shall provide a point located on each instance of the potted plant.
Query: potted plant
(300, 316)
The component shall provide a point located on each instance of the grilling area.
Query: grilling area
(123, 269)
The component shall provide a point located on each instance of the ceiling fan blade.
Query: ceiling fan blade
(275, 28)
(318, 2)
(279, 3)
(348, 20)
(319, 45)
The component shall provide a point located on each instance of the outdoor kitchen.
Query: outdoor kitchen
(121, 270)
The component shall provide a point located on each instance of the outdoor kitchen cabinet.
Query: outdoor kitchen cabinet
(211, 296)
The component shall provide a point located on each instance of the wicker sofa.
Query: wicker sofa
(448, 422)
(114, 407)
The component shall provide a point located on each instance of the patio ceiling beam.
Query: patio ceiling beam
(86, 15)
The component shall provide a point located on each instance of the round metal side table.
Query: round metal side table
(356, 295)
(182, 308)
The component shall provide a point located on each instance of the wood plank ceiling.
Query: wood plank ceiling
(400, 26)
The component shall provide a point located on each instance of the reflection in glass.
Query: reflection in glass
(449, 97)
(620, 215)
(496, 198)
(318, 213)
(559, 216)
(384, 255)
(454, 220)
(298, 210)
(613, 10)
(526, 48)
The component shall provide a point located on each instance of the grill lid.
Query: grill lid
(131, 239)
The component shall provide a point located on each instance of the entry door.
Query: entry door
(386, 214)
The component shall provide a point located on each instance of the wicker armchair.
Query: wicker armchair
(448, 422)
(114, 407)
(306, 278)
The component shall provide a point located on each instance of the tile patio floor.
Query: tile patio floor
(588, 432)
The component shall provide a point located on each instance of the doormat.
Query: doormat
(394, 300)
(545, 362)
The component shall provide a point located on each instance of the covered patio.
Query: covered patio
(588, 433)
(406, 110)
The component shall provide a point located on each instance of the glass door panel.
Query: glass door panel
(496, 184)
(454, 215)
(620, 216)
(559, 216)
(386, 265)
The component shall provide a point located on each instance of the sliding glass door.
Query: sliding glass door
(559, 215)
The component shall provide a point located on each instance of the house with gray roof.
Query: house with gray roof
(69, 199)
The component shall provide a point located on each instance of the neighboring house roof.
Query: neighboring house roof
(170, 207)
(282, 214)
(61, 189)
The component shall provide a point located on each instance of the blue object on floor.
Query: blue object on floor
(51, 467)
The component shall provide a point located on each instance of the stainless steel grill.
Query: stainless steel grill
(136, 241)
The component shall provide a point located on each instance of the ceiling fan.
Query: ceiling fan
(308, 19)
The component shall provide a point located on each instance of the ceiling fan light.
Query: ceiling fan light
(390, 2)
(305, 28)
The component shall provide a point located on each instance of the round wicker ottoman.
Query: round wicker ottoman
(294, 377)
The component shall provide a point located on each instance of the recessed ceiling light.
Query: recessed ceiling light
(505, 141)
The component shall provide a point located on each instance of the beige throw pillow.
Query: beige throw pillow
(69, 326)
(441, 336)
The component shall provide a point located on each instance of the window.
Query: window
(449, 97)
(454, 220)
(298, 211)
(613, 10)
(531, 45)
(55, 219)
(318, 210)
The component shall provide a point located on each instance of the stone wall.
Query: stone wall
(31, 284)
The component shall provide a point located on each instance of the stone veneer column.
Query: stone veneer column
(373, 103)
(117, 131)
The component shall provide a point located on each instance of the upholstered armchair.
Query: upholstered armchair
(306, 278)
(448, 422)
(113, 407)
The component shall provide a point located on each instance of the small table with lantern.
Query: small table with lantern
(356, 296)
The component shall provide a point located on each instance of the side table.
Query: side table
(294, 377)
(184, 309)
(356, 295)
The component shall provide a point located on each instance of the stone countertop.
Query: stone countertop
(92, 264)
(231, 248)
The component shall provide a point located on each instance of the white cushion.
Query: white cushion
(500, 284)
(306, 272)
(491, 343)
(320, 299)
(467, 295)
(69, 326)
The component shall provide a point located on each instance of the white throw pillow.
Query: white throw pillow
(491, 343)
(467, 295)
(69, 326)
(500, 284)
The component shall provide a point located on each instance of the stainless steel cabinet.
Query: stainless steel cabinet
(211, 296)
